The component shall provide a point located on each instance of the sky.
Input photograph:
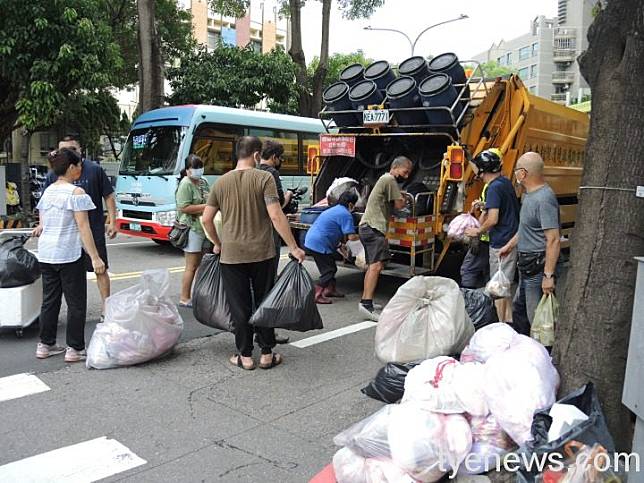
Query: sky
(490, 21)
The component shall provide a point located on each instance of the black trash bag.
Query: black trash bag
(591, 431)
(209, 303)
(18, 266)
(291, 302)
(389, 384)
(480, 307)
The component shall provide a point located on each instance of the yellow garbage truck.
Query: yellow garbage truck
(498, 113)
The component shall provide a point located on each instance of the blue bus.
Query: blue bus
(160, 141)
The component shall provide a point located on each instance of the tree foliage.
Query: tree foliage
(337, 63)
(234, 77)
(493, 69)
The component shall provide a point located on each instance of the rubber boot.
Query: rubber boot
(319, 296)
(330, 291)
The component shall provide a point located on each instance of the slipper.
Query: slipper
(236, 360)
(276, 360)
(187, 305)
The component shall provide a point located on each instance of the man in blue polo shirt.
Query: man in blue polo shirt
(97, 185)
(322, 241)
(501, 220)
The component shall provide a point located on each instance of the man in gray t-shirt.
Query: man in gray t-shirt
(538, 237)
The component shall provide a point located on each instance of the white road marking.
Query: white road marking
(317, 339)
(20, 385)
(79, 463)
(127, 244)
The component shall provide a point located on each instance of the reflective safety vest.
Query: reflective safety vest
(485, 236)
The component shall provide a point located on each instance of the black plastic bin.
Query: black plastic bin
(364, 94)
(415, 67)
(438, 91)
(403, 93)
(380, 72)
(352, 74)
(448, 64)
(336, 98)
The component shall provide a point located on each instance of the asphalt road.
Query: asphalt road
(190, 416)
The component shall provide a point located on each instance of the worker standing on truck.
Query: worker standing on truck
(537, 240)
(373, 228)
(501, 220)
(475, 269)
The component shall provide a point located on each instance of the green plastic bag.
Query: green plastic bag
(545, 318)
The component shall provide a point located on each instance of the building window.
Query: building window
(213, 39)
(523, 73)
(566, 44)
(257, 46)
(48, 142)
(525, 53)
(500, 60)
(535, 49)
(533, 71)
(508, 58)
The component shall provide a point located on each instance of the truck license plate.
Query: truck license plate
(375, 117)
(135, 227)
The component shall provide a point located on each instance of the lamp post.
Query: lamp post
(412, 45)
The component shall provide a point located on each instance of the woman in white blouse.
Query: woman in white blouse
(63, 215)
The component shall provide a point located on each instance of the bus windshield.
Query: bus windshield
(152, 150)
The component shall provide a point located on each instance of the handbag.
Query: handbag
(530, 264)
(178, 235)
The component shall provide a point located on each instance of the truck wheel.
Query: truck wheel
(19, 333)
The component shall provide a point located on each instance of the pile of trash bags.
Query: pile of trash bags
(18, 266)
(141, 323)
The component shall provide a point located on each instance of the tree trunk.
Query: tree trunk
(150, 61)
(320, 72)
(297, 54)
(594, 327)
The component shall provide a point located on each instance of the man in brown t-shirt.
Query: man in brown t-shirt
(249, 203)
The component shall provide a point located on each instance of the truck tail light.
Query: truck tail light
(456, 158)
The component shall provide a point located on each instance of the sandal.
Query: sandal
(236, 360)
(276, 360)
(186, 305)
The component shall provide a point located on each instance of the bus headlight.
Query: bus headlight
(166, 218)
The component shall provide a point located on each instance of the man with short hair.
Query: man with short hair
(248, 200)
(98, 186)
(537, 240)
(501, 220)
(373, 228)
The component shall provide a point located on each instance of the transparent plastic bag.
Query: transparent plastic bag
(490, 340)
(457, 227)
(368, 438)
(499, 287)
(446, 386)
(519, 382)
(425, 318)
(352, 468)
(545, 318)
(357, 251)
(141, 323)
(489, 444)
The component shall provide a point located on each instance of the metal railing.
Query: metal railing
(559, 97)
(563, 77)
(564, 54)
(565, 32)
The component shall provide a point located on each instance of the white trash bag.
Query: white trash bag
(518, 382)
(491, 339)
(446, 386)
(141, 324)
(356, 248)
(456, 228)
(368, 438)
(339, 186)
(427, 444)
(425, 318)
(499, 287)
(352, 468)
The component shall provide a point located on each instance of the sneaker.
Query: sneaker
(72, 355)
(368, 312)
(377, 307)
(43, 351)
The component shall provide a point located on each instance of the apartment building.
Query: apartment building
(546, 57)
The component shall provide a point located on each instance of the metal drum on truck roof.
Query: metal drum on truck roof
(336, 98)
(403, 93)
(415, 67)
(380, 72)
(364, 94)
(352, 74)
(438, 91)
(448, 64)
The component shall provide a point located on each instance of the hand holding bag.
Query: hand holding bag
(178, 235)
(545, 318)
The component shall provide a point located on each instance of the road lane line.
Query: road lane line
(20, 385)
(333, 334)
(79, 463)
(128, 244)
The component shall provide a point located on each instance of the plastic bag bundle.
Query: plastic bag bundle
(519, 382)
(457, 227)
(389, 384)
(18, 266)
(291, 302)
(357, 250)
(490, 340)
(446, 386)
(141, 323)
(368, 438)
(425, 318)
(426, 444)
(489, 444)
(480, 307)
(545, 318)
(209, 303)
(339, 186)
(499, 287)
(352, 468)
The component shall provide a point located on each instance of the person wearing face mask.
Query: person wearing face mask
(373, 226)
(538, 239)
(65, 231)
(191, 197)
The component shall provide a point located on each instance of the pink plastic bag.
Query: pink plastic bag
(457, 227)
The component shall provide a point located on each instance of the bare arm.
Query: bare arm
(82, 220)
(193, 209)
(509, 246)
(490, 220)
(281, 225)
(110, 201)
(208, 222)
(353, 237)
(399, 204)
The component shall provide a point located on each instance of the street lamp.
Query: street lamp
(412, 45)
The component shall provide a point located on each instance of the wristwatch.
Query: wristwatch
(548, 275)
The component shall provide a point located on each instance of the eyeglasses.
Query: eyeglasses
(519, 169)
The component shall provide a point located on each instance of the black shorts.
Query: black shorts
(376, 247)
(101, 248)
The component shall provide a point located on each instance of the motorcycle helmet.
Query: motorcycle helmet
(488, 161)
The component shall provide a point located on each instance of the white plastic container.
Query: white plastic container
(20, 306)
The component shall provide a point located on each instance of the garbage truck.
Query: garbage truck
(360, 143)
